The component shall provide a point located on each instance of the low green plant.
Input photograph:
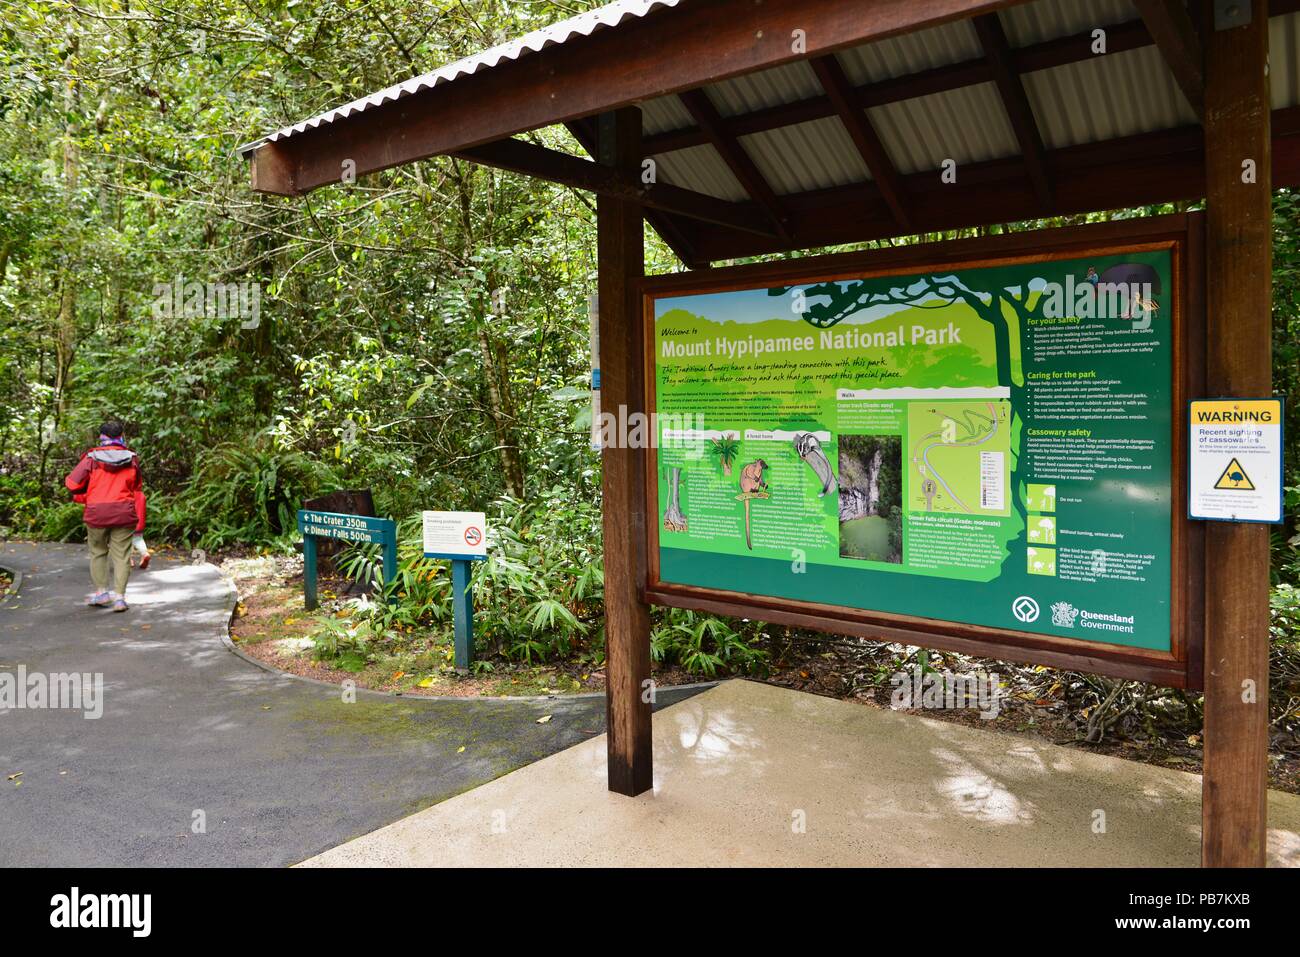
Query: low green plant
(540, 593)
(1284, 635)
(538, 597)
(22, 506)
(342, 643)
(705, 644)
(1285, 543)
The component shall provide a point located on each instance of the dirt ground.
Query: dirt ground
(1123, 719)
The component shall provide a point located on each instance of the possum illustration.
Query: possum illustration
(751, 485)
(810, 450)
(751, 476)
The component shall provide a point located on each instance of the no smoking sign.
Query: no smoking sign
(454, 534)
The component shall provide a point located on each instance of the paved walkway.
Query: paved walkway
(748, 774)
(280, 768)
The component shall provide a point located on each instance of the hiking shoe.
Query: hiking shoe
(99, 599)
(119, 604)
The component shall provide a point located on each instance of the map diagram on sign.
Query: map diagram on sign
(959, 456)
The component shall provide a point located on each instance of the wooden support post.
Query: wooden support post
(620, 258)
(1238, 363)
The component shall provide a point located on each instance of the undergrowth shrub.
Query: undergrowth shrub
(538, 597)
(63, 523)
(245, 494)
(1284, 647)
(22, 506)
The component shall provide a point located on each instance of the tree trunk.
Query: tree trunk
(502, 418)
(65, 342)
(500, 410)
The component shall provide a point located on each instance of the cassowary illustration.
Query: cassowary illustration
(1135, 278)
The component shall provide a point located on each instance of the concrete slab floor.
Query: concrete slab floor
(740, 767)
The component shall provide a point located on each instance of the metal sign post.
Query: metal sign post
(460, 537)
(351, 528)
(462, 601)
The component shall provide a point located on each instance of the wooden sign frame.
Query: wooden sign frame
(1180, 667)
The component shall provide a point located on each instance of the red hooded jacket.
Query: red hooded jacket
(108, 481)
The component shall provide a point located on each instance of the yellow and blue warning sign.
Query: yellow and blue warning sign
(1235, 460)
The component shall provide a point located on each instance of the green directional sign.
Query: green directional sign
(351, 528)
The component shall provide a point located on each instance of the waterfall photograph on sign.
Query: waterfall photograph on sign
(871, 498)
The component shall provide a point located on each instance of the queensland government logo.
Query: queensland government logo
(1064, 614)
(1025, 609)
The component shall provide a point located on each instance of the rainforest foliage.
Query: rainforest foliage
(422, 332)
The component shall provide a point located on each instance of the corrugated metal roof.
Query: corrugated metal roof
(965, 125)
(703, 168)
(754, 91)
(806, 156)
(968, 125)
(911, 53)
(1049, 19)
(664, 113)
(583, 25)
(1116, 95)
(1109, 96)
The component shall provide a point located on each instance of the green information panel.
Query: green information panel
(990, 446)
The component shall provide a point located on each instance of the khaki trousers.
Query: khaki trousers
(110, 554)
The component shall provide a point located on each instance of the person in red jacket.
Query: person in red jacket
(108, 482)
